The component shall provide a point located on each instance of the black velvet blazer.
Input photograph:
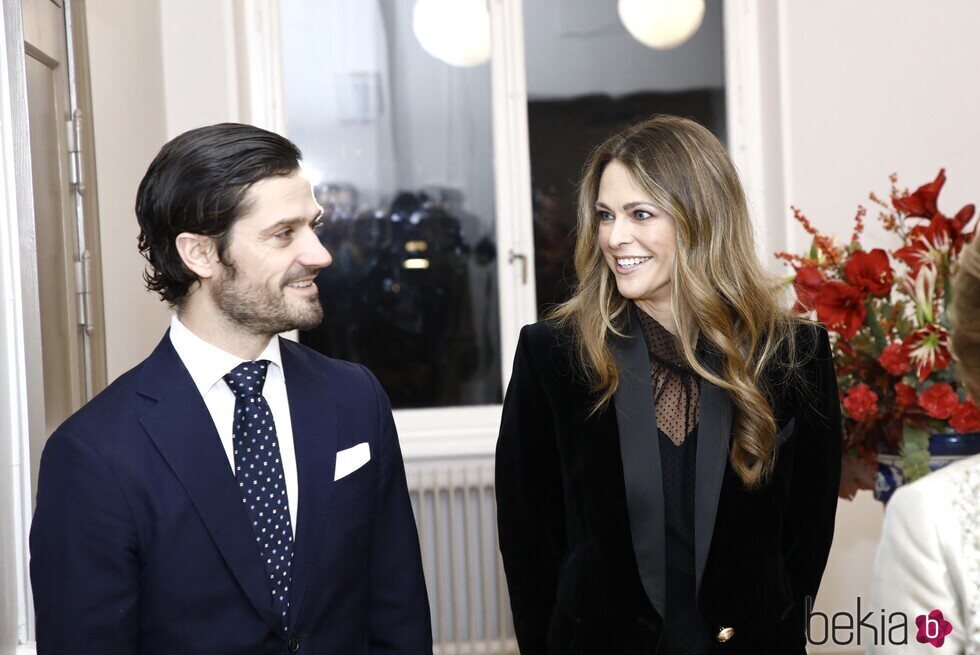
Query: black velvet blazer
(581, 514)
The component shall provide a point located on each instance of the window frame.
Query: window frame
(472, 430)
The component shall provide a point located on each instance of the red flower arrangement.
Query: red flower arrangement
(886, 311)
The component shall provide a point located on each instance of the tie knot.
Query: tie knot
(248, 378)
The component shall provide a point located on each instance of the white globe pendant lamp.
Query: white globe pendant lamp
(454, 31)
(661, 24)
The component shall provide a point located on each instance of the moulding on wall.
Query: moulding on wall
(259, 64)
(19, 313)
(754, 106)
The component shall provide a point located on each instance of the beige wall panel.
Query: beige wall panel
(130, 124)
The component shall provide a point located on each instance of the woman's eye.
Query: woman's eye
(642, 215)
(284, 234)
(605, 216)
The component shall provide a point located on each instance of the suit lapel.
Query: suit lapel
(640, 448)
(636, 419)
(714, 437)
(313, 412)
(182, 430)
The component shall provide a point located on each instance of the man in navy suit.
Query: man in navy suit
(235, 492)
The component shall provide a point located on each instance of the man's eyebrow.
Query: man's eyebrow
(291, 222)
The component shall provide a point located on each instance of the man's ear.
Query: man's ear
(199, 253)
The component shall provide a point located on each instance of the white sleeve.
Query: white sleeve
(911, 574)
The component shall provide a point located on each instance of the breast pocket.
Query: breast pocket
(354, 495)
(357, 483)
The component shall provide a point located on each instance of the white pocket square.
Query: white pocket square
(351, 459)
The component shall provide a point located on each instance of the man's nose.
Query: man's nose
(314, 255)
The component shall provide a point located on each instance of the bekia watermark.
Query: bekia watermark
(876, 628)
(933, 628)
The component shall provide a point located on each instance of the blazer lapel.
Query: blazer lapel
(313, 412)
(711, 459)
(184, 433)
(640, 448)
(636, 419)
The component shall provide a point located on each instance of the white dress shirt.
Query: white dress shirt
(208, 365)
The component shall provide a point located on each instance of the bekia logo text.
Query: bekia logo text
(876, 628)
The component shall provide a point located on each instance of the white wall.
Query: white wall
(200, 80)
(876, 87)
(129, 119)
(870, 88)
(159, 68)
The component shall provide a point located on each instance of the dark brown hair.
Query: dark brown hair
(198, 183)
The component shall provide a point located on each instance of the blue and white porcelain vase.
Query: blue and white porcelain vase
(944, 449)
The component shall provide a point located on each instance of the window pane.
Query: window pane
(587, 78)
(401, 144)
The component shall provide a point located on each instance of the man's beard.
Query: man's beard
(257, 309)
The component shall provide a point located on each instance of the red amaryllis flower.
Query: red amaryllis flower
(939, 400)
(840, 307)
(895, 359)
(807, 284)
(870, 271)
(956, 228)
(928, 350)
(927, 244)
(904, 394)
(965, 417)
(861, 402)
(922, 203)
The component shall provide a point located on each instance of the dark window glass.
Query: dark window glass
(401, 143)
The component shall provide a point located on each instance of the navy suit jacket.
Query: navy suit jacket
(141, 544)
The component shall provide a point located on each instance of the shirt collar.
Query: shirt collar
(662, 346)
(207, 363)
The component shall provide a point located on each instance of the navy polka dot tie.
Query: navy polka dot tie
(258, 470)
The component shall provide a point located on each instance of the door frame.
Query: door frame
(23, 405)
(21, 381)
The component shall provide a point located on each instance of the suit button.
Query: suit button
(725, 634)
(293, 644)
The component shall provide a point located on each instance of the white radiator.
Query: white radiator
(456, 515)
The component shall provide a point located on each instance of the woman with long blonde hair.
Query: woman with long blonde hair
(669, 451)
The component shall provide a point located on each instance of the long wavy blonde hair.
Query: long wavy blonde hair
(719, 288)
